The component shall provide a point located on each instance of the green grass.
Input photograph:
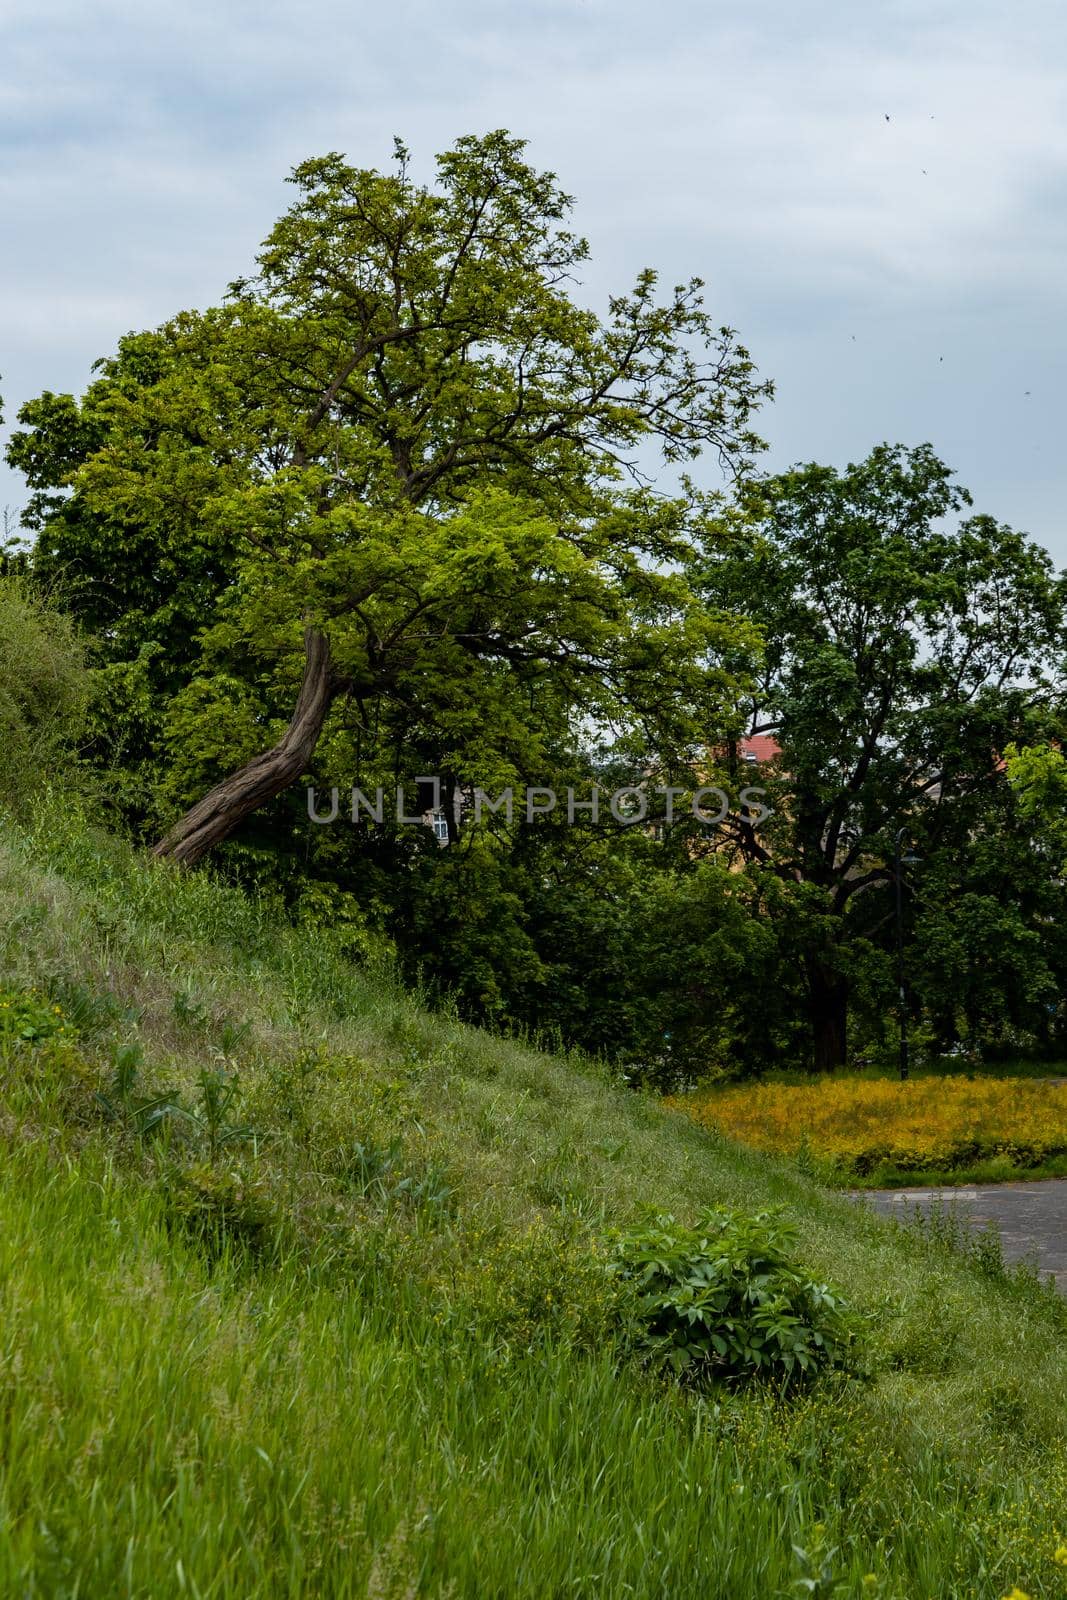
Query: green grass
(998, 1169)
(1009, 1067)
(936, 1067)
(410, 1384)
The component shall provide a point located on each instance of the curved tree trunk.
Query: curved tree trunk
(214, 817)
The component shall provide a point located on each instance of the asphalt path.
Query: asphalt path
(1031, 1217)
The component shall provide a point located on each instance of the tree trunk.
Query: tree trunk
(828, 1000)
(215, 817)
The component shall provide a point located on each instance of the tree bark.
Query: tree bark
(828, 1001)
(215, 817)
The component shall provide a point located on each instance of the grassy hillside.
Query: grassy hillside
(370, 1350)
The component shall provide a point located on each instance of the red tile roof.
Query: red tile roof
(761, 746)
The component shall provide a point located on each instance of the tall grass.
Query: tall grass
(166, 1430)
(417, 1389)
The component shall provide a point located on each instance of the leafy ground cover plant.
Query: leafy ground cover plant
(27, 1017)
(222, 1211)
(123, 1100)
(727, 1300)
(218, 1101)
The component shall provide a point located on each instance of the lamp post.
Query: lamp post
(899, 862)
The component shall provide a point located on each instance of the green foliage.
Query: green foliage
(188, 1012)
(821, 1577)
(930, 1340)
(983, 1250)
(44, 692)
(88, 1011)
(372, 1167)
(610, 940)
(122, 1100)
(27, 1017)
(547, 1280)
(1038, 775)
(223, 1211)
(217, 1103)
(418, 448)
(726, 1300)
(903, 654)
(400, 431)
(382, 1173)
(211, 1115)
(989, 965)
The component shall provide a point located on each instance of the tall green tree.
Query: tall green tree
(906, 646)
(394, 476)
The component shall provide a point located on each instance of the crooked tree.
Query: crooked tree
(401, 452)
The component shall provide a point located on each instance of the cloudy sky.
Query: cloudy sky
(899, 279)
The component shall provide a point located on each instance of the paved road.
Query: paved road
(1031, 1217)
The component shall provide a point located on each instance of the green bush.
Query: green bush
(221, 1211)
(726, 1300)
(44, 691)
(28, 1018)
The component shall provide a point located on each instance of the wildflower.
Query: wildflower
(1060, 1557)
(858, 1125)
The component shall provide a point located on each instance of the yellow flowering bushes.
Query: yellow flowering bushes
(860, 1126)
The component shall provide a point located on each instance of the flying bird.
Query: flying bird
(887, 116)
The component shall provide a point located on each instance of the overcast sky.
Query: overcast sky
(899, 279)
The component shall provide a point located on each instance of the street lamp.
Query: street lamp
(899, 862)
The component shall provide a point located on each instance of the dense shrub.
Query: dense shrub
(223, 1211)
(28, 1018)
(726, 1300)
(44, 691)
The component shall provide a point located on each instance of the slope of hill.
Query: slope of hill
(342, 1328)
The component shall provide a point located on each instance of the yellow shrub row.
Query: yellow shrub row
(860, 1124)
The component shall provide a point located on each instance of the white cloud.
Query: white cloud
(898, 279)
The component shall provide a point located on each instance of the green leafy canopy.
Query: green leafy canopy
(404, 431)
